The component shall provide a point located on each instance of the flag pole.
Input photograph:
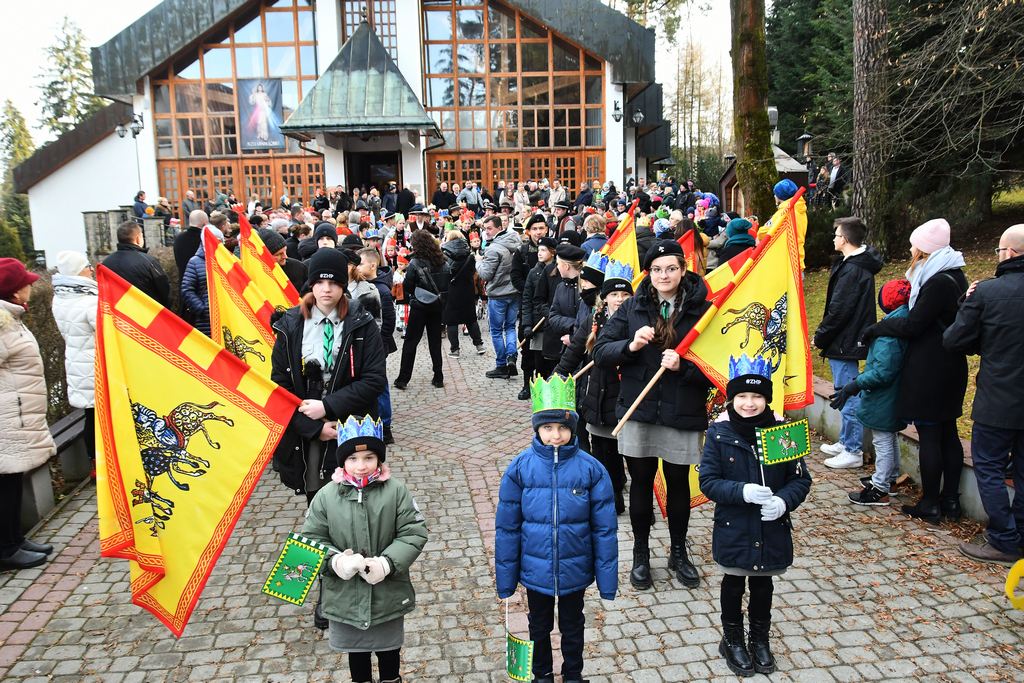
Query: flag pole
(539, 323)
(583, 370)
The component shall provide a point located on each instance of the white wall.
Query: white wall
(328, 32)
(102, 178)
(147, 144)
(410, 44)
(334, 164)
(631, 160)
(613, 132)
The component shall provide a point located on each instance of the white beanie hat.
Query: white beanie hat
(216, 233)
(71, 263)
(931, 236)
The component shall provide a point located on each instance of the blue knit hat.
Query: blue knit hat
(784, 189)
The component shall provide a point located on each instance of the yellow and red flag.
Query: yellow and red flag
(184, 431)
(689, 252)
(621, 246)
(661, 488)
(758, 312)
(239, 311)
(259, 264)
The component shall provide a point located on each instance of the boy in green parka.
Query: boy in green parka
(879, 388)
(376, 523)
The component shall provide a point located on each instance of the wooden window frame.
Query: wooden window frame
(383, 19)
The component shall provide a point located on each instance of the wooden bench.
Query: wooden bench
(37, 494)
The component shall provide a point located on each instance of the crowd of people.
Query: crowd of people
(374, 272)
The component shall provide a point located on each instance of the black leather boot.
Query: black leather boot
(950, 507)
(620, 503)
(928, 511)
(760, 653)
(679, 563)
(44, 548)
(734, 649)
(640, 576)
(319, 620)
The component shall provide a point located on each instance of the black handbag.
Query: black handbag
(425, 296)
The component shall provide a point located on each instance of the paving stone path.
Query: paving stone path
(872, 596)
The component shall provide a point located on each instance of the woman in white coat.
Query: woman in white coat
(26, 442)
(75, 298)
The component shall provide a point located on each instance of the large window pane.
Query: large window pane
(503, 57)
(565, 57)
(466, 139)
(593, 117)
(249, 62)
(567, 89)
(480, 139)
(593, 89)
(306, 26)
(439, 25)
(472, 92)
(532, 30)
(471, 58)
(249, 31)
(469, 24)
(535, 56)
(591, 63)
(163, 128)
(162, 99)
(307, 55)
(440, 92)
(280, 27)
(594, 137)
(439, 59)
(281, 61)
(535, 90)
(289, 97)
(188, 66)
(220, 97)
(501, 22)
(504, 92)
(188, 97)
(217, 63)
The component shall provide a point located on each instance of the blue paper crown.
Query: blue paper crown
(372, 232)
(597, 261)
(747, 366)
(354, 429)
(617, 270)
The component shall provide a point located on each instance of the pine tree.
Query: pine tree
(67, 82)
(790, 31)
(15, 145)
(10, 245)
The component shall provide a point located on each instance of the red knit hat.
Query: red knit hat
(893, 294)
(13, 277)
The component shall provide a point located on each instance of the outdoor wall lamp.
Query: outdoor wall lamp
(638, 117)
(136, 127)
(617, 113)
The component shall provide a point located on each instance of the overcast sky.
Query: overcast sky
(30, 31)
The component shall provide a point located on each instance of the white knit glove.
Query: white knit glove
(773, 509)
(376, 569)
(755, 494)
(348, 564)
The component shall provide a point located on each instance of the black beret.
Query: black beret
(570, 237)
(548, 242)
(662, 248)
(570, 252)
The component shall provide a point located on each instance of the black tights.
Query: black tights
(942, 460)
(388, 665)
(760, 606)
(641, 497)
(607, 453)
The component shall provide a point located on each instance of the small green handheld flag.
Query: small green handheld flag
(783, 443)
(295, 569)
(518, 657)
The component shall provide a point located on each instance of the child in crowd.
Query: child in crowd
(879, 389)
(398, 290)
(376, 521)
(555, 529)
(752, 537)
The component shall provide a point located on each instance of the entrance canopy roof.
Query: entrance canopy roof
(362, 91)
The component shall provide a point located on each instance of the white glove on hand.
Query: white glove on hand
(755, 494)
(376, 569)
(773, 509)
(348, 564)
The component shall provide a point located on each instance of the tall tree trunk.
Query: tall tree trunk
(755, 162)
(871, 182)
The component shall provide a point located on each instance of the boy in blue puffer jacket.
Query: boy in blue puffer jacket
(879, 389)
(556, 529)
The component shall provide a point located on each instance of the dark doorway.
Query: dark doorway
(373, 169)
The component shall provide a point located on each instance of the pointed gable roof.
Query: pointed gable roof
(361, 91)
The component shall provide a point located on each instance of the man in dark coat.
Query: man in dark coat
(442, 198)
(849, 310)
(584, 198)
(406, 200)
(295, 270)
(991, 323)
(186, 244)
(141, 270)
(390, 201)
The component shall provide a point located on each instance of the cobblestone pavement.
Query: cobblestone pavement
(872, 596)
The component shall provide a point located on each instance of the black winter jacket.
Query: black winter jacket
(598, 389)
(934, 380)
(991, 323)
(353, 391)
(441, 275)
(546, 282)
(679, 399)
(849, 305)
(522, 262)
(562, 315)
(645, 239)
(461, 306)
(528, 317)
(186, 244)
(297, 273)
(740, 539)
(142, 270)
(388, 317)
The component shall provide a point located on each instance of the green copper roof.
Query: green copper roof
(361, 91)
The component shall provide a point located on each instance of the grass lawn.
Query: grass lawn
(981, 264)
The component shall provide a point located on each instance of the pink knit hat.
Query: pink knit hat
(931, 236)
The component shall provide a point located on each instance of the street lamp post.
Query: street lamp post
(136, 126)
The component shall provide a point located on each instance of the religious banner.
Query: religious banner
(783, 442)
(184, 431)
(260, 113)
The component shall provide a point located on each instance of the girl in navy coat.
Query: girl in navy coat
(555, 529)
(752, 538)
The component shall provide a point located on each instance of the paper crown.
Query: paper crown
(617, 270)
(597, 261)
(556, 393)
(749, 366)
(354, 429)
(372, 233)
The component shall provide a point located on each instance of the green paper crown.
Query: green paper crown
(557, 393)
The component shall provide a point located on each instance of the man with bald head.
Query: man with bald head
(991, 323)
(186, 244)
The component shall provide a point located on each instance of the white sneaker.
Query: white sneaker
(832, 448)
(846, 460)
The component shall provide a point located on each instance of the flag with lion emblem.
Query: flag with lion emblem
(759, 311)
(184, 430)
